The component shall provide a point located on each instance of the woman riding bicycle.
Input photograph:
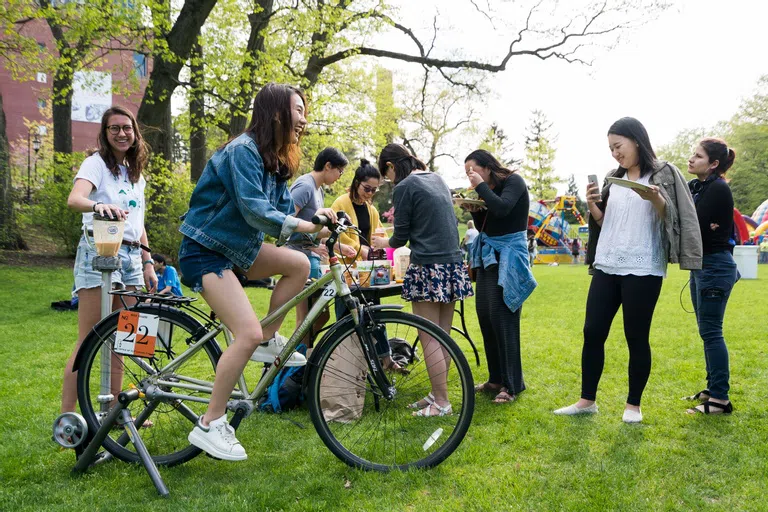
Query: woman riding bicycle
(241, 196)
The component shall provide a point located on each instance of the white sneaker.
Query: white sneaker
(572, 410)
(631, 416)
(269, 350)
(217, 439)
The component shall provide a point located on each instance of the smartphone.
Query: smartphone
(592, 178)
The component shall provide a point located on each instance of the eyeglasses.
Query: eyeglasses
(369, 189)
(115, 129)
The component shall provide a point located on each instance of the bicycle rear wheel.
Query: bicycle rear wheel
(169, 421)
(366, 430)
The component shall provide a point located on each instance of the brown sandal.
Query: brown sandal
(390, 365)
(487, 387)
(504, 397)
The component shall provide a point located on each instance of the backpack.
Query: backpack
(285, 392)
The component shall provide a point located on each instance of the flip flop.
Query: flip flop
(487, 387)
(718, 408)
(504, 397)
(702, 396)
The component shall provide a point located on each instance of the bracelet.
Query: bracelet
(93, 206)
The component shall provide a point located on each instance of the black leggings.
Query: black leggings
(638, 295)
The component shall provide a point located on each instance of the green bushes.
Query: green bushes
(50, 211)
(167, 198)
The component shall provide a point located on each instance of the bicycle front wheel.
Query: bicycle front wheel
(168, 421)
(366, 430)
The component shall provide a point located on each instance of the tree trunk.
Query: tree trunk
(259, 22)
(155, 105)
(197, 139)
(62, 117)
(10, 234)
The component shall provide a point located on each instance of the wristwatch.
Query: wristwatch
(150, 261)
(93, 206)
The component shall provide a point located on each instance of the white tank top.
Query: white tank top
(631, 236)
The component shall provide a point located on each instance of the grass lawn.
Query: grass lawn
(515, 457)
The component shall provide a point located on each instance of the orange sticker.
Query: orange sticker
(136, 334)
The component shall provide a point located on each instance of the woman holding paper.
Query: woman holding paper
(632, 237)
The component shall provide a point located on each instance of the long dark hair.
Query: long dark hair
(633, 129)
(271, 124)
(137, 155)
(717, 149)
(498, 173)
(399, 156)
(363, 173)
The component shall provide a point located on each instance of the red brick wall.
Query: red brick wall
(20, 98)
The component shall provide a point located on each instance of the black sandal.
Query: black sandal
(724, 408)
(698, 396)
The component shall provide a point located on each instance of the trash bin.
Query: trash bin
(746, 260)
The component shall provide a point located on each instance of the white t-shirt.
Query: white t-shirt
(114, 190)
(631, 236)
(470, 235)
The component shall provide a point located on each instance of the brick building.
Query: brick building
(31, 100)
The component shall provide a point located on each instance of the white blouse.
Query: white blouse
(631, 236)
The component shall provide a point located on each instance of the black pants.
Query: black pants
(638, 295)
(501, 332)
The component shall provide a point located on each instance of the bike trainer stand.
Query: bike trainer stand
(70, 430)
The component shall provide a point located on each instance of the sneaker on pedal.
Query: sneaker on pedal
(217, 439)
(269, 350)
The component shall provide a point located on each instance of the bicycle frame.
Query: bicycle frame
(332, 284)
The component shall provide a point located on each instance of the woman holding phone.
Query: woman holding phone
(632, 237)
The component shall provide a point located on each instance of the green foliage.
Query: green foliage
(51, 212)
(749, 174)
(681, 148)
(538, 167)
(167, 198)
(747, 134)
(496, 142)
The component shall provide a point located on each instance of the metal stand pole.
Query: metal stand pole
(106, 265)
(122, 415)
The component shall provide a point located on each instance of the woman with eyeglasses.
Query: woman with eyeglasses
(109, 183)
(357, 204)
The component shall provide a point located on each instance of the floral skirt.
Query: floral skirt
(437, 282)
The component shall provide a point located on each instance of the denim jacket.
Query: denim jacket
(515, 276)
(236, 201)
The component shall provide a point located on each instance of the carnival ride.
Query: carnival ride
(550, 230)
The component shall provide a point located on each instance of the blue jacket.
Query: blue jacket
(236, 202)
(515, 276)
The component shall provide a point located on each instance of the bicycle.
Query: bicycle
(378, 433)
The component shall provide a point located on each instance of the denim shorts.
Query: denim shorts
(196, 260)
(131, 272)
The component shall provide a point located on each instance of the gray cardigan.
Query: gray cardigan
(681, 225)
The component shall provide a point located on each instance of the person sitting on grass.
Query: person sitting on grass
(167, 276)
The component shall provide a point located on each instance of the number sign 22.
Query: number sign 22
(136, 334)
